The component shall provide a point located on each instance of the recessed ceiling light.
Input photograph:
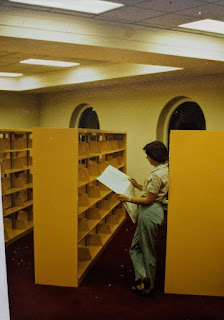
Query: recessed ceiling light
(10, 74)
(51, 63)
(208, 25)
(89, 6)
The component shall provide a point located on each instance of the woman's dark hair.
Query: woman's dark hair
(157, 151)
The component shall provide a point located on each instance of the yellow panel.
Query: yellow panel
(55, 167)
(195, 242)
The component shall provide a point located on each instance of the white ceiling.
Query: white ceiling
(141, 32)
(157, 13)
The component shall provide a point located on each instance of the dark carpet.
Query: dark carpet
(105, 291)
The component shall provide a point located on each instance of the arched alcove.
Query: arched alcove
(180, 113)
(187, 116)
(84, 116)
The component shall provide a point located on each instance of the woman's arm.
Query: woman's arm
(144, 201)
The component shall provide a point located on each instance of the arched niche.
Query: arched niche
(84, 116)
(180, 113)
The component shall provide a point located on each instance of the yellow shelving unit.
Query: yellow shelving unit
(16, 180)
(75, 216)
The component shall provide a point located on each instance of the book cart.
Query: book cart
(16, 182)
(75, 216)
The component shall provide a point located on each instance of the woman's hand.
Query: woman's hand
(122, 197)
(134, 182)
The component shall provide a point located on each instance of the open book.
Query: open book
(119, 182)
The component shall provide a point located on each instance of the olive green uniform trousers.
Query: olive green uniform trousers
(142, 249)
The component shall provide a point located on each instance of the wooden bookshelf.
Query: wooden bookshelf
(75, 216)
(16, 180)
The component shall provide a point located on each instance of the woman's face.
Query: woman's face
(149, 159)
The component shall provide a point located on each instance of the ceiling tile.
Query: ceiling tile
(126, 2)
(221, 3)
(208, 11)
(4, 53)
(131, 14)
(169, 5)
(168, 20)
(210, 1)
(72, 13)
(11, 58)
(27, 69)
(24, 6)
(10, 62)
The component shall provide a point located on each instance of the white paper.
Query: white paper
(119, 182)
(4, 302)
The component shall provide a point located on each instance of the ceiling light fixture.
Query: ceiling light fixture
(51, 63)
(10, 74)
(208, 25)
(88, 6)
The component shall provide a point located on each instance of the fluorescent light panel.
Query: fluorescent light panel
(50, 63)
(208, 25)
(89, 6)
(10, 74)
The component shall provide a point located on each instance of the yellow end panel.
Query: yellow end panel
(55, 205)
(195, 241)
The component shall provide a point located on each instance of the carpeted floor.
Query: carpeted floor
(105, 291)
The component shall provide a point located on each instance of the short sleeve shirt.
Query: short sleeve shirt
(158, 182)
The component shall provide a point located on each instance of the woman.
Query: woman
(150, 217)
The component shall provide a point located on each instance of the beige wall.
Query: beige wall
(133, 108)
(18, 110)
(136, 109)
